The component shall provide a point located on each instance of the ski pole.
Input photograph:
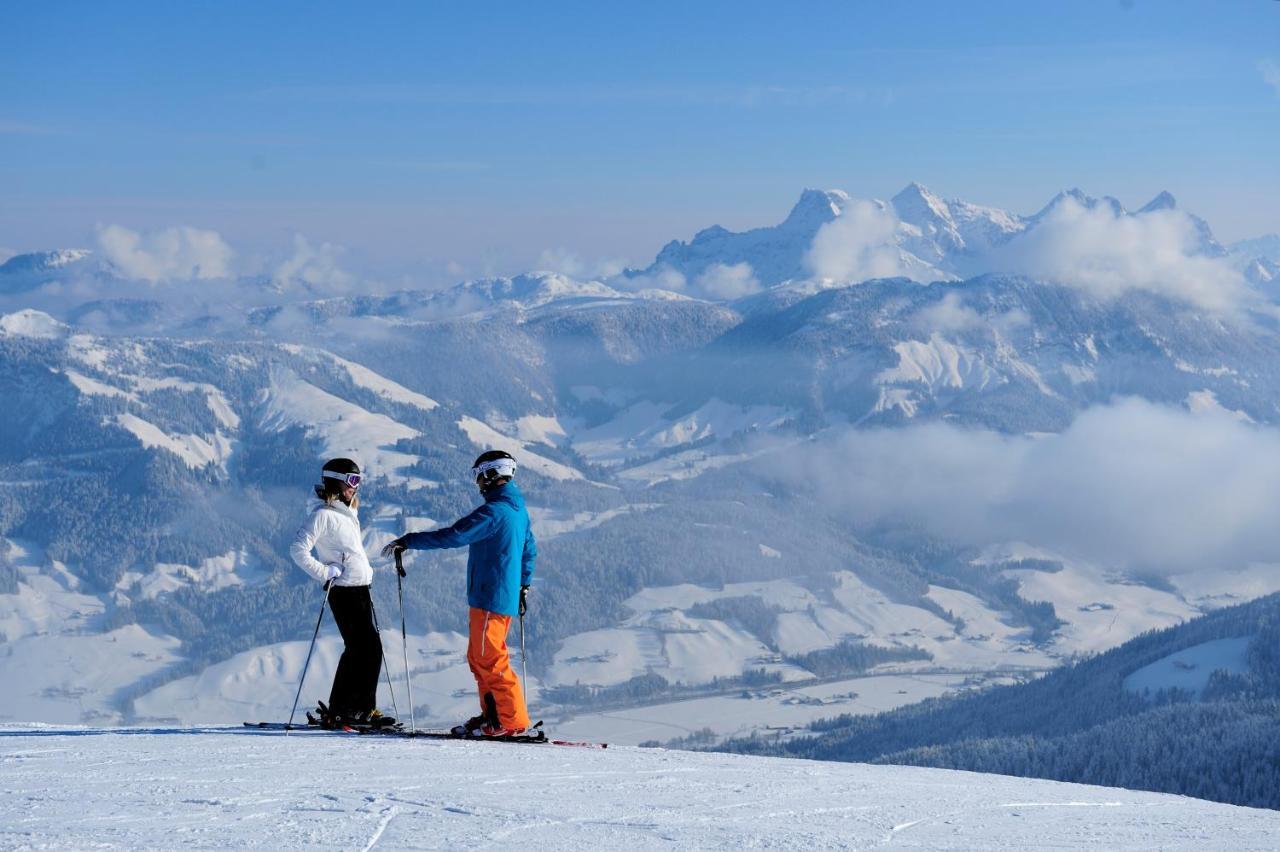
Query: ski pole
(404, 638)
(386, 670)
(524, 657)
(307, 664)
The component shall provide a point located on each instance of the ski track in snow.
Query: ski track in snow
(388, 814)
(74, 788)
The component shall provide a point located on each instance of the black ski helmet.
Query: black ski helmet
(493, 465)
(335, 474)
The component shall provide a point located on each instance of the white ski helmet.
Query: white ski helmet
(493, 465)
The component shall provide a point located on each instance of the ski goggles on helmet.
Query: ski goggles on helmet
(352, 479)
(500, 467)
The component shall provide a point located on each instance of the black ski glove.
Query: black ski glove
(390, 550)
(524, 599)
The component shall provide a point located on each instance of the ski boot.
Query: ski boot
(473, 726)
(324, 717)
(377, 720)
(470, 727)
(498, 732)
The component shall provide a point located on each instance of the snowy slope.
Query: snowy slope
(233, 568)
(1101, 610)
(210, 788)
(485, 437)
(32, 323)
(28, 271)
(659, 637)
(344, 429)
(363, 377)
(58, 661)
(1190, 668)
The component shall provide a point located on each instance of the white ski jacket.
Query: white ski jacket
(333, 530)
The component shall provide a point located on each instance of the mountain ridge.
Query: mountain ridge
(194, 414)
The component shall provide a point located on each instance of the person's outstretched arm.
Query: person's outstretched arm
(474, 527)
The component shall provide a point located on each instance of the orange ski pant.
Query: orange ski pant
(491, 664)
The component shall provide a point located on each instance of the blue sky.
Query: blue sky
(433, 137)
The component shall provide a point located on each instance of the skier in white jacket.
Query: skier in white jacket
(333, 532)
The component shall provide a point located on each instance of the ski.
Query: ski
(397, 731)
(280, 726)
(342, 729)
(285, 726)
(536, 735)
(577, 744)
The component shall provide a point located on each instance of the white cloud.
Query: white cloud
(316, 268)
(718, 281)
(1106, 254)
(1130, 485)
(723, 281)
(568, 263)
(1270, 71)
(563, 261)
(663, 278)
(950, 315)
(172, 254)
(858, 245)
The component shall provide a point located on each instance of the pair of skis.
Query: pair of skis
(537, 737)
(404, 638)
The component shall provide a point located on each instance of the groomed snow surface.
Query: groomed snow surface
(234, 788)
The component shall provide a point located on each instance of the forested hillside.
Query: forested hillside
(1084, 723)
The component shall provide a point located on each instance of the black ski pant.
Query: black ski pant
(355, 685)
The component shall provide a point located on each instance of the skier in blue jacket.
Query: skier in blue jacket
(499, 571)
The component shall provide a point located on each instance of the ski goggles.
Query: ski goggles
(352, 479)
(504, 467)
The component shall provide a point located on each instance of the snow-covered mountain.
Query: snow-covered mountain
(951, 234)
(1259, 261)
(917, 233)
(1206, 243)
(647, 421)
(24, 272)
(1262, 271)
(268, 791)
(1267, 247)
(43, 262)
(928, 237)
(775, 254)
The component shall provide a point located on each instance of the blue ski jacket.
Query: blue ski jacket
(503, 550)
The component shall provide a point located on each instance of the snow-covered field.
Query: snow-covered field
(660, 637)
(771, 711)
(1190, 668)
(231, 788)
